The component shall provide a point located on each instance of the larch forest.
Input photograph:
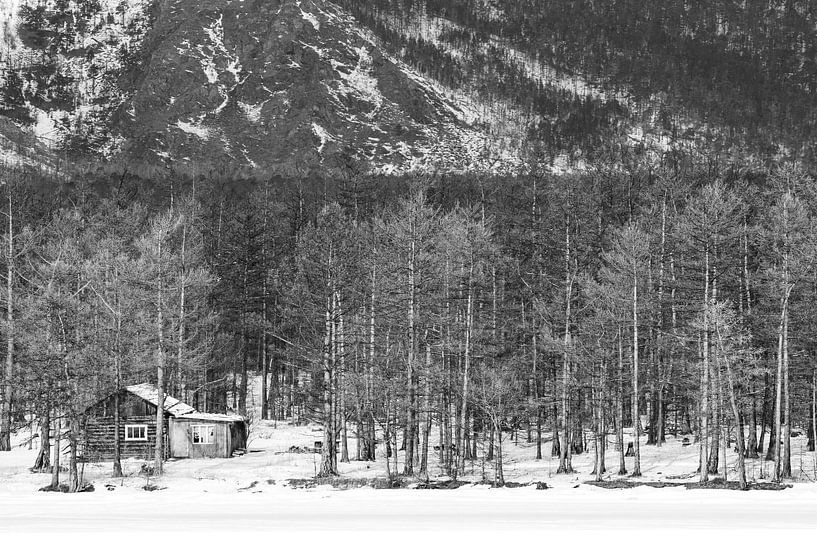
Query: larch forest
(428, 228)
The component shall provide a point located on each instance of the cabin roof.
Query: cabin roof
(150, 393)
(212, 417)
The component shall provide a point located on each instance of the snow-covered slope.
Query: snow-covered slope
(61, 64)
(295, 84)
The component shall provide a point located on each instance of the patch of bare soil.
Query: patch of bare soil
(715, 484)
(623, 483)
(345, 483)
(720, 484)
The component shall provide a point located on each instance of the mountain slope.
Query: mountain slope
(291, 84)
(403, 85)
(722, 78)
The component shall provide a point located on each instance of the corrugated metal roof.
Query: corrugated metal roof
(213, 417)
(150, 393)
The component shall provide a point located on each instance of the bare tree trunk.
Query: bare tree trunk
(344, 437)
(600, 433)
(426, 432)
(721, 422)
(622, 466)
(43, 461)
(751, 445)
(328, 465)
(704, 446)
(778, 399)
(411, 415)
(659, 360)
(117, 424)
(359, 434)
(599, 439)
(265, 368)
(245, 343)
(55, 469)
(387, 439)
(182, 316)
(469, 320)
(74, 483)
(555, 448)
(499, 474)
(782, 465)
(158, 457)
(764, 417)
(814, 413)
(265, 405)
(565, 452)
(8, 371)
(786, 427)
(370, 440)
(714, 453)
(636, 419)
(334, 390)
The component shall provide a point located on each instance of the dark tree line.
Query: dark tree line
(639, 301)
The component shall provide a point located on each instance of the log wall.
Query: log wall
(99, 438)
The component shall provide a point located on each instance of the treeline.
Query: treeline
(669, 301)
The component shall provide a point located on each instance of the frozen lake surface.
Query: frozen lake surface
(272, 507)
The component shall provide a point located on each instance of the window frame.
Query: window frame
(205, 436)
(140, 427)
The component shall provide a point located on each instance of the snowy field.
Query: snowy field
(250, 493)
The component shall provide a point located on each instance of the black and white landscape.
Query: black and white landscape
(395, 265)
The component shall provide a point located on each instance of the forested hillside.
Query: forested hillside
(732, 78)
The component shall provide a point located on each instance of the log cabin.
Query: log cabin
(187, 433)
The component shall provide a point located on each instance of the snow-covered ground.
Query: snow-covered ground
(250, 493)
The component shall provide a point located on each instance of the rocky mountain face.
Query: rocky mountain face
(404, 85)
(261, 84)
(60, 71)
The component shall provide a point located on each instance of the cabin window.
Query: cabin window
(203, 434)
(136, 432)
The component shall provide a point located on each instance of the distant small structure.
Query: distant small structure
(187, 432)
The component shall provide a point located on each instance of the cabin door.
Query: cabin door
(179, 442)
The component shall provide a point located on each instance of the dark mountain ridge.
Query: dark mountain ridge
(395, 86)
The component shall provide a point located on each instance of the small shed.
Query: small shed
(187, 432)
(207, 435)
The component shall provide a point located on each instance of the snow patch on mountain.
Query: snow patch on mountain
(209, 69)
(323, 135)
(316, 24)
(194, 128)
(216, 49)
(431, 30)
(252, 111)
(45, 126)
(360, 81)
(9, 19)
